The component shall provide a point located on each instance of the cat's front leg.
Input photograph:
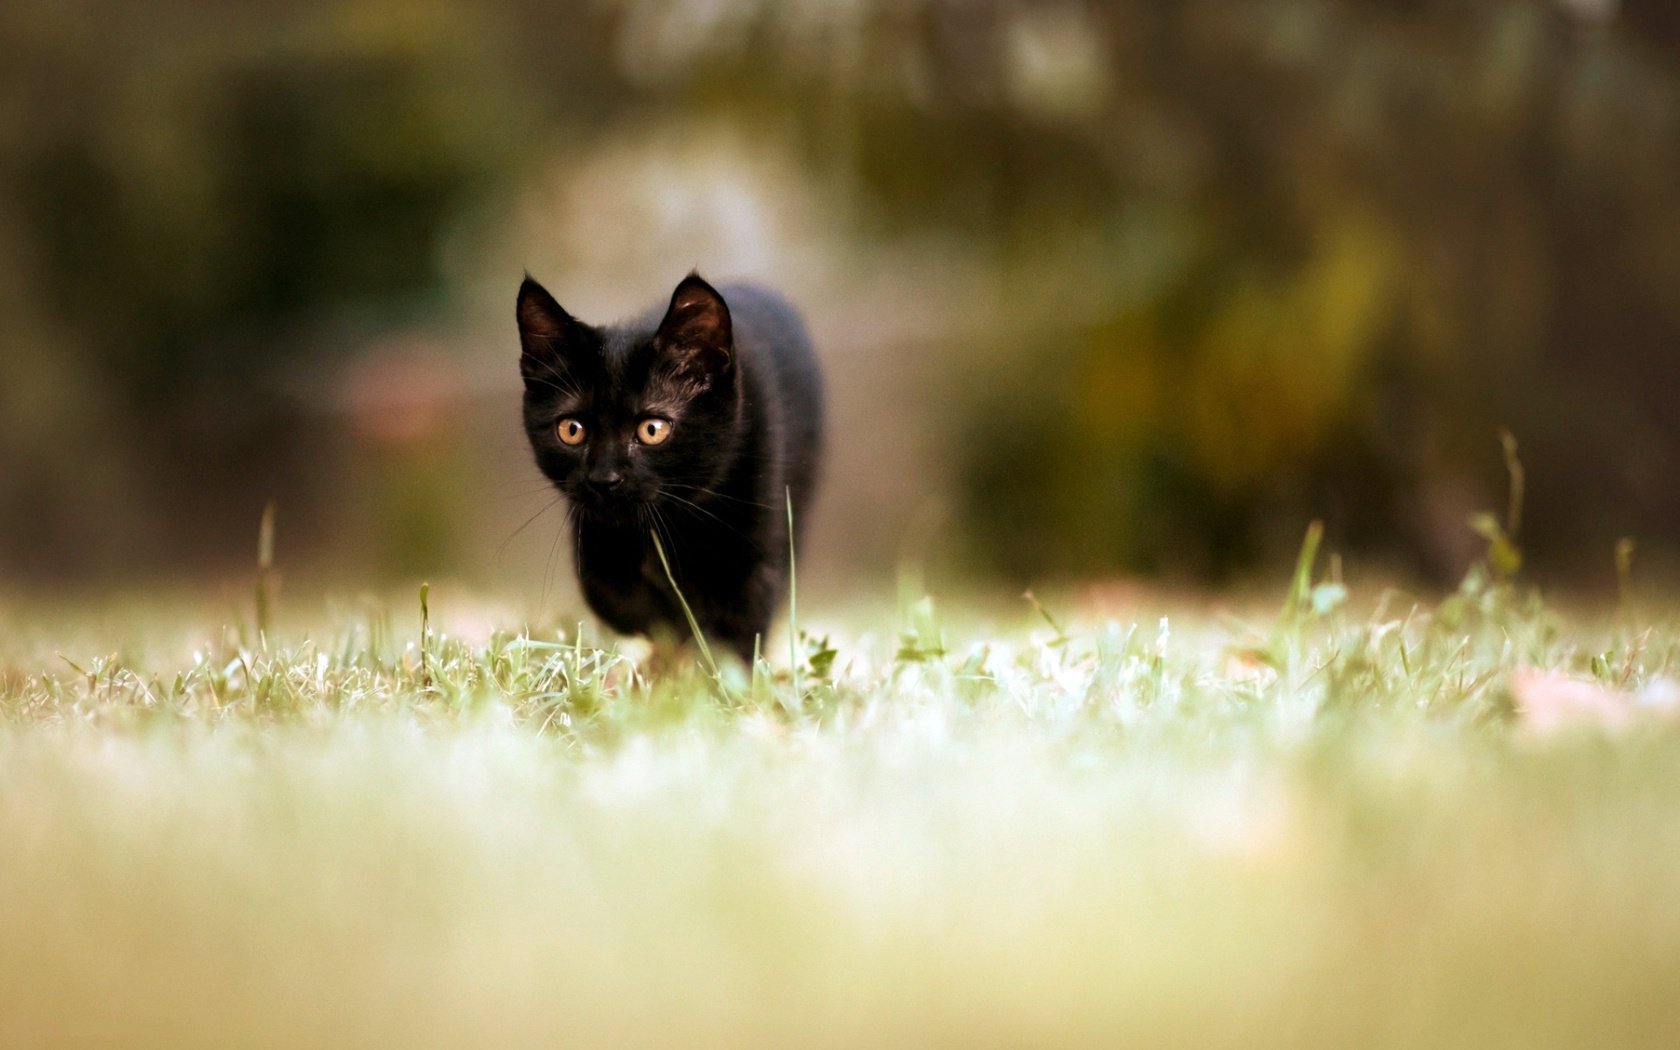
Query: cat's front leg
(628, 606)
(610, 572)
(742, 623)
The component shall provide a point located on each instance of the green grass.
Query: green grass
(1320, 828)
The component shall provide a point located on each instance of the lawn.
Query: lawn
(1375, 821)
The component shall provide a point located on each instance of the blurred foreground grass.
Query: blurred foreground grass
(1321, 829)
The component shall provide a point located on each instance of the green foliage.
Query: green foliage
(221, 185)
(1219, 267)
(1291, 260)
(204, 204)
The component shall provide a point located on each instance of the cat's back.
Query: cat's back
(770, 333)
(776, 352)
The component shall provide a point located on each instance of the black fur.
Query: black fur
(733, 372)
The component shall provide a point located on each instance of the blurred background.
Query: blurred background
(1117, 290)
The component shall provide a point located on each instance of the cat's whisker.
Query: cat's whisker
(577, 549)
(720, 520)
(701, 490)
(567, 391)
(553, 549)
(666, 537)
(527, 523)
(525, 491)
(556, 379)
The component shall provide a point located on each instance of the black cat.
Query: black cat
(697, 422)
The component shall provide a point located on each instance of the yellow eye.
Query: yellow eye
(653, 430)
(571, 431)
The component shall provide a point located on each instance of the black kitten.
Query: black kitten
(695, 422)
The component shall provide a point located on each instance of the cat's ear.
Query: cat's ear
(696, 333)
(547, 333)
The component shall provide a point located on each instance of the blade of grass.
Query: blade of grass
(693, 624)
(1061, 635)
(425, 634)
(1514, 468)
(265, 573)
(793, 604)
(1300, 585)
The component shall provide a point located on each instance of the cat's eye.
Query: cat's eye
(571, 431)
(653, 430)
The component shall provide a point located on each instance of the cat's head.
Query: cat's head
(627, 416)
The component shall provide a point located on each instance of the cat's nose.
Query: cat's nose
(605, 479)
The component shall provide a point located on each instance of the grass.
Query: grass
(1322, 828)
